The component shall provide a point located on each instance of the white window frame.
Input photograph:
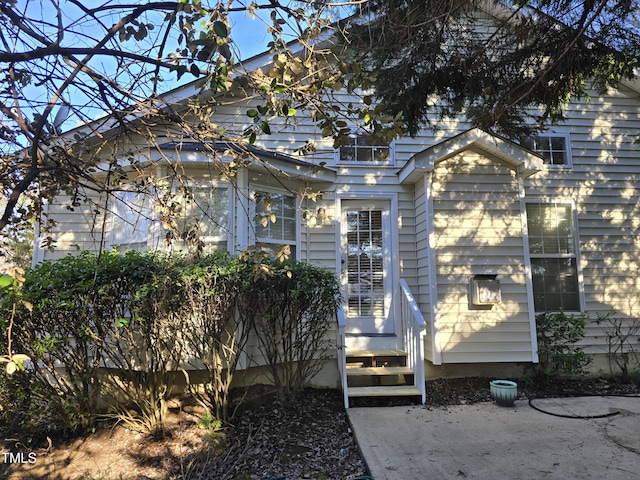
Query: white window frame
(119, 223)
(260, 189)
(226, 237)
(576, 248)
(359, 133)
(567, 149)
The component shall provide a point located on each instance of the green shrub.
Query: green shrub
(215, 334)
(90, 312)
(558, 335)
(292, 306)
(62, 334)
(120, 326)
(140, 297)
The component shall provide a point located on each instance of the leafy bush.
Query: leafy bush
(62, 333)
(216, 336)
(558, 335)
(292, 306)
(140, 299)
(120, 326)
(88, 313)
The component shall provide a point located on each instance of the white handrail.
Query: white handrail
(414, 327)
(342, 354)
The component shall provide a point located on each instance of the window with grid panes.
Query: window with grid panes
(131, 221)
(205, 213)
(363, 148)
(276, 221)
(552, 249)
(554, 149)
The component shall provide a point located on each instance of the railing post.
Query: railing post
(342, 354)
(414, 327)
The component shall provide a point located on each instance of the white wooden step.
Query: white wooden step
(377, 371)
(390, 391)
(374, 353)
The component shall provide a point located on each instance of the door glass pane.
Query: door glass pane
(365, 267)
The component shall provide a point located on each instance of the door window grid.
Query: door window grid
(365, 270)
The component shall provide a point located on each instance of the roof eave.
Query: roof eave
(266, 159)
(525, 162)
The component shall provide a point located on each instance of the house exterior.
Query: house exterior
(448, 244)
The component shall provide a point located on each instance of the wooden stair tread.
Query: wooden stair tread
(386, 391)
(375, 371)
(374, 353)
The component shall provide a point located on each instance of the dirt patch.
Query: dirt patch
(111, 452)
(462, 391)
(308, 438)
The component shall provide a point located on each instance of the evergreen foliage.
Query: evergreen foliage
(559, 352)
(122, 330)
(510, 68)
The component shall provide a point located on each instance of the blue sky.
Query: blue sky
(250, 38)
(249, 35)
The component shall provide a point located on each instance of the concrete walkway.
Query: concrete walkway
(486, 441)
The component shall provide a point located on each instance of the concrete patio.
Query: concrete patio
(486, 441)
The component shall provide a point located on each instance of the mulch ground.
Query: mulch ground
(306, 438)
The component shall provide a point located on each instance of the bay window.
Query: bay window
(204, 216)
(132, 221)
(275, 221)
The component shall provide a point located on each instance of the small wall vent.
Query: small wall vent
(485, 290)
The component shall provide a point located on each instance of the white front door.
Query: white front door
(366, 266)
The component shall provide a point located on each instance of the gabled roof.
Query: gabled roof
(522, 160)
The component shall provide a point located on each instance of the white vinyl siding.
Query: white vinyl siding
(80, 228)
(477, 231)
(603, 183)
(318, 230)
(424, 284)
